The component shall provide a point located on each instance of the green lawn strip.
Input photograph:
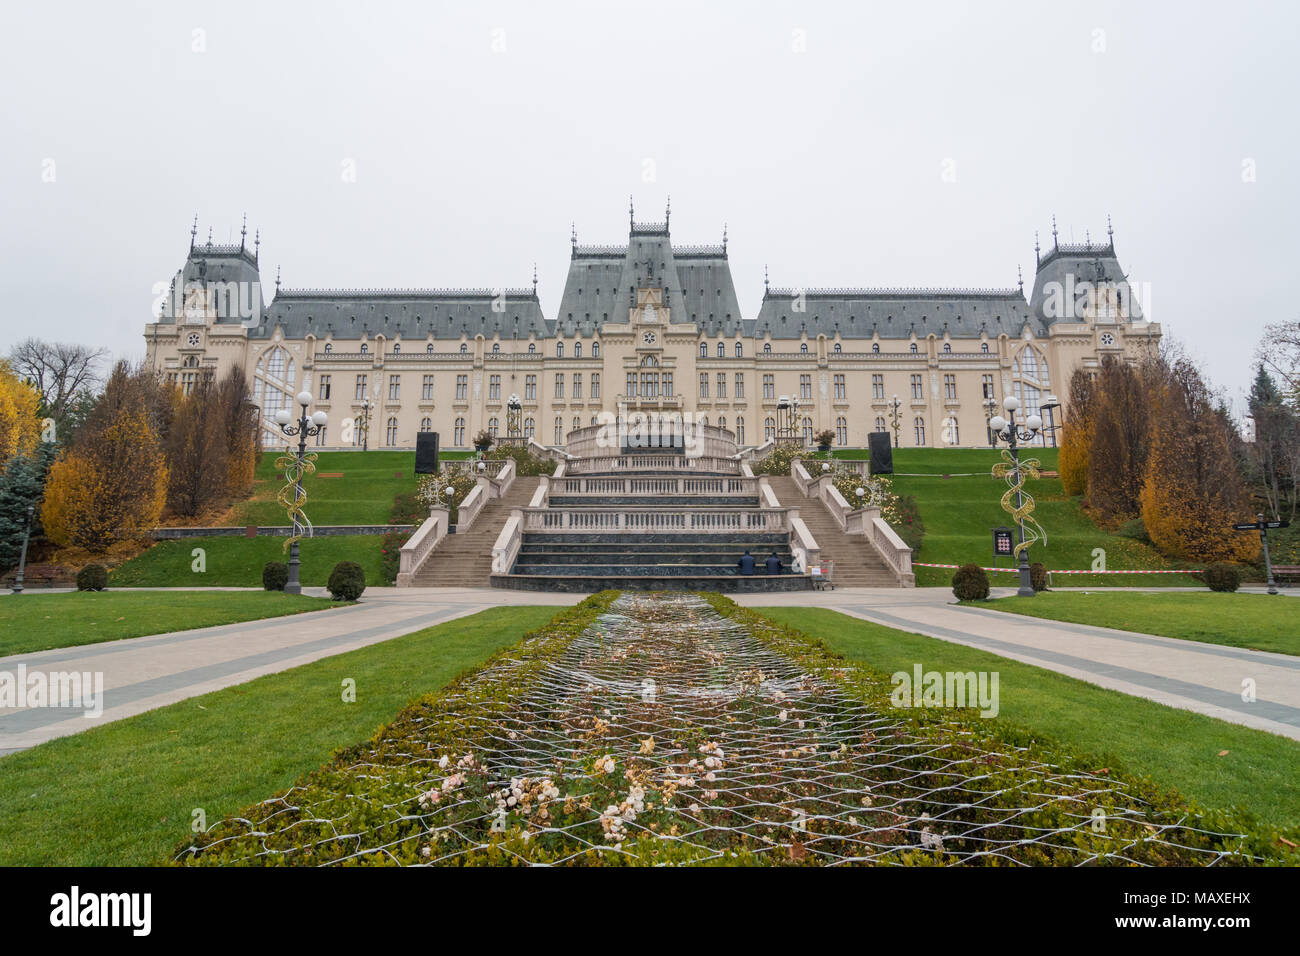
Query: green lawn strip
(1258, 622)
(237, 561)
(1177, 749)
(363, 494)
(38, 622)
(124, 793)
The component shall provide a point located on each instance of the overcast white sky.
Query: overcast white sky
(818, 132)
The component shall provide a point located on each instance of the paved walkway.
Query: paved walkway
(1206, 678)
(142, 673)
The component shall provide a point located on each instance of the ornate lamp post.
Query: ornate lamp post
(304, 427)
(897, 423)
(366, 405)
(1014, 434)
(22, 556)
(514, 417)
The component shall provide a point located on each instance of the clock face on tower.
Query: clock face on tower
(648, 338)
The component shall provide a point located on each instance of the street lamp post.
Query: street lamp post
(22, 556)
(366, 406)
(896, 421)
(1050, 406)
(514, 419)
(1013, 434)
(304, 427)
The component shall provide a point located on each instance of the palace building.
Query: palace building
(647, 325)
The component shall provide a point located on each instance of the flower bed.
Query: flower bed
(681, 729)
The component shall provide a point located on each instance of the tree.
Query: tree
(22, 484)
(1192, 492)
(20, 424)
(239, 426)
(1076, 442)
(197, 454)
(1117, 453)
(60, 371)
(1273, 459)
(1279, 352)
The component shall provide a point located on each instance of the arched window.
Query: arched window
(426, 424)
(559, 430)
(429, 348)
(704, 350)
(458, 434)
(329, 347)
(397, 348)
(769, 429)
(493, 426)
(947, 346)
(464, 347)
(496, 347)
(807, 431)
(875, 347)
(918, 428)
(880, 423)
(364, 348)
(767, 346)
(704, 420)
(740, 351)
(803, 346)
(577, 350)
(984, 346)
(912, 347)
(722, 350)
(841, 432)
(577, 423)
(595, 350)
(740, 430)
(649, 362)
(559, 350)
(390, 436)
(837, 347)
(532, 347)
(722, 421)
(529, 428)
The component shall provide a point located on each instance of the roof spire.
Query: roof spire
(534, 279)
(1110, 230)
(277, 280)
(724, 238)
(257, 243)
(194, 231)
(1087, 237)
(764, 278)
(668, 212)
(573, 234)
(1020, 279)
(243, 232)
(1055, 242)
(631, 220)
(1037, 257)
(209, 235)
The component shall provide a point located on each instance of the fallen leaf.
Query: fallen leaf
(1223, 753)
(797, 851)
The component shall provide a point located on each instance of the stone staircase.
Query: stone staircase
(465, 559)
(857, 565)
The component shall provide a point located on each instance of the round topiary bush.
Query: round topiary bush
(1038, 576)
(1223, 577)
(347, 581)
(93, 577)
(275, 576)
(970, 583)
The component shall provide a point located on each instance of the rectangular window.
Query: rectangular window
(950, 387)
(494, 388)
(722, 385)
(361, 387)
(394, 388)
(839, 387)
(559, 384)
(530, 388)
(917, 394)
(324, 388)
(462, 388)
(426, 389)
(595, 385)
(740, 392)
(631, 384)
(769, 387)
(987, 386)
(805, 387)
(877, 386)
(704, 385)
(668, 384)
(577, 385)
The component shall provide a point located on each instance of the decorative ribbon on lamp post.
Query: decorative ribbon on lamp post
(293, 495)
(1015, 474)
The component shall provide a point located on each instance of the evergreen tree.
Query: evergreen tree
(22, 484)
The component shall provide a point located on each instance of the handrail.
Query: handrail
(652, 520)
(506, 548)
(420, 545)
(469, 509)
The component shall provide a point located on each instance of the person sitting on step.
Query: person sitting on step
(746, 563)
(773, 564)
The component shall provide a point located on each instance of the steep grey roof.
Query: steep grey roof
(602, 283)
(231, 269)
(410, 313)
(894, 313)
(1082, 262)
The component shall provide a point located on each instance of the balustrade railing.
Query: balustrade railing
(645, 485)
(615, 463)
(652, 521)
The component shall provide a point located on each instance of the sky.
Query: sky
(387, 144)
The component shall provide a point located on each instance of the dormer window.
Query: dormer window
(722, 350)
(496, 347)
(464, 347)
(984, 346)
(767, 347)
(875, 347)
(803, 346)
(577, 350)
(329, 347)
(704, 350)
(559, 350)
(595, 350)
(429, 348)
(947, 346)
(532, 348)
(397, 348)
(838, 348)
(913, 346)
(739, 350)
(364, 348)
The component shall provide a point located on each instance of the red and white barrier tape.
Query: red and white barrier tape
(919, 564)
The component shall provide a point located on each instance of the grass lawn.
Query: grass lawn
(125, 793)
(960, 513)
(238, 561)
(1176, 748)
(1260, 622)
(33, 622)
(363, 495)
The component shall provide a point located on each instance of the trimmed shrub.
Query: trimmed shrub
(1223, 577)
(275, 575)
(904, 516)
(347, 581)
(970, 583)
(408, 509)
(93, 577)
(1038, 576)
(391, 554)
(779, 459)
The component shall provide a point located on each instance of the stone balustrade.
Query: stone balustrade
(653, 520)
(666, 463)
(506, 548)
(656, 485)
(420, 545)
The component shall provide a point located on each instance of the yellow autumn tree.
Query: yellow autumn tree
(1191, 491)
(20, 425)
(109, 490)
(1076, 442)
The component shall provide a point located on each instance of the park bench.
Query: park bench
(1286, 571)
